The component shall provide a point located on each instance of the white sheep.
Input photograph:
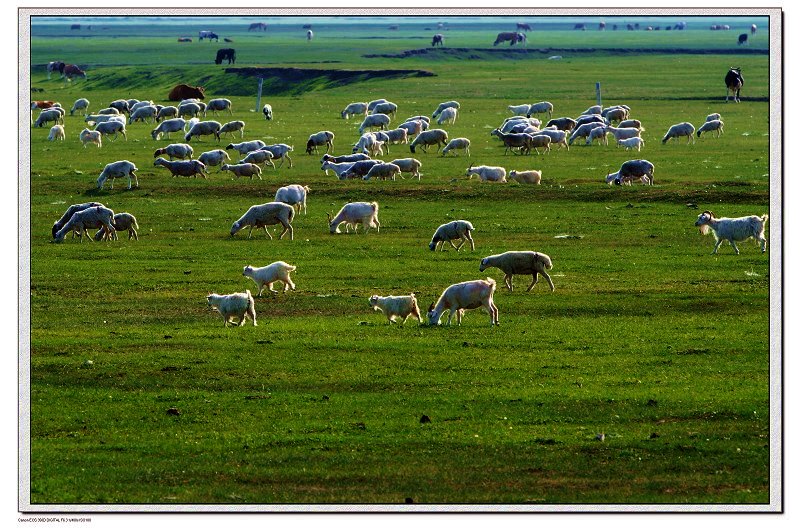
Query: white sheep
(90, 136)
(267, 111)
(338, 168)
(443, 106)
(400, 306)
(267, 275)
(188, 168)
(294, 195)
(120, 222)
(457, 144)
(118, 169)
(465, 296)
(593, 110)
(112, 127)
(139, 104)
(71, 210)
(395, 136)
(369, 144)
(92, 120)
(167, 111)
(455, 230)
(594, 118)
(243, 169)
(679, 130)
(630, 143)
(714, 117)
(241, 305)
(520, 110)
(264, 215)
(374, 120)
(359, 169)
(424, 119)
(487, 173)
(583, 131)
(143, 113)
(56, 133)
(168, 126)
(355, 213)
(280, 151)
(520, 263)
(531, 176)
(189, 109)
(409, 165)
(448, 116)
(246, 146)
(733, 229)
(387, 108)
(82, 221)
(259, 156)
(435, 136)
(212, 158)
(175, 150)
(47, 116)
(616, 114)
(414, 127)
(203, 128)
(557, 137)
(544, 107)
(218, 105)
(372, 104)
(383, 171)
(599, 133)
(633, 170)
(111, 110)
(710, 126)
(623, 133)
(631, 123)
(541, 141)
(354, 109)
(80, 104)
(231, 127)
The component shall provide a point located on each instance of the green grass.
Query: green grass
(647, 338)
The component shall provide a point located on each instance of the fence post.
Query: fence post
(258, 98)
(596, 91)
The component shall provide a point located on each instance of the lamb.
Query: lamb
(280, 151)
(267, 111)
(354, 109)
(387, 108)
(212, 158)
(82, 221)
(457, 144)
(583, 131)
(448, 115)
(733, 229)
(540, 140)
(541, 108)
(435, 136)
(465, 296)
(241, 305)
(679, 130)
(203, 128)
(168, 126)
(709, 126)
(455, 230)
(218, 105)
(324, 137)
(243, 169)
(90, 136)
(557, 137)
(259, 156)
(264, 215)
(120, 222)
(512, 141)
(359, 169)
(634, 142)
(443, 106)
(623, 133)
(355, 213)
(383, 171)
(56, 132)
(143, 113)
(112, 127)
(520, 263)
(633, 170)
(338, 168)
(294, 195)
(80, 104)
(531, 176)
(267, 275)
(401, 306)
(118, 169)
(487, 173)
(47, 116)
(165, 112)
(374, 120)
(189, 109)
(231, 127)
(186, 168)
(410, 165)
(520, 110)
(175, 150)
(71, 210)
(563, 123)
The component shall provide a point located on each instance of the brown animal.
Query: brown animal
(184, 91)
(70, 71)
(42, 104)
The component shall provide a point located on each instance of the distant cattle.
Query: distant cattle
(184, 91)
(438, 40)
(228, 54)
(579, 27)
(226, 39)
(71, 71)
(629, 27)
(306, 26)
(184, 39)
(753, 29)
(601, 26)
(55, 66)
(394, 28)
(257, 26)
(742, 39)
(210, 35)
(733, 83)
(509, 36)
(309, 35)
(523, 27)
(75, 26)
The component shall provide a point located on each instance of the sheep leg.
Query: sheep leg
(509, 280)
(451, 243)
(735, 248)
(716, 246)
(471, 242)
(267, 232)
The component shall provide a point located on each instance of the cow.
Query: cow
(601, 26)
(70, 71)
(257, 26)
(438, 40)
(579, 27)
(184, 91)
(75, 26)
(184, 39)
(629, 27)
(742, 39)
(523, 27)
(733, 83)
(309, 35)
(228, 54)
(511, 36)
(55, 66)
(210, 35)
(753, 29)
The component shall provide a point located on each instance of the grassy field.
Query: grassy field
(647, 338)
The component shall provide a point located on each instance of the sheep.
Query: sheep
(212, 158)
(139, 104)
(531, 176)
(633, 170)
(487, 173)
(112, 127)
(267, 275)
(203, 128)
(218, 105)
(131, 103)
(713, 117)
(598, 133)
(709, 126)
(354, 109)
(372, 104)
(47, 116)
(120, 105)
(623, 133)
(186, 168)
(165, 112)
(414, 127)
(246, 146)
(175, 150)
(611, 110)
(583, 131)
(563, 123)
(435, 136)
(512, 141)
(71, 210)
(243, 169)
(681, 129)
(369, 144)
(401, 306)
(345, 158)
(231, 127)
(97, 119)
(267, 111)
(733, 229)
(280, 151)
(424, 119)
(443, 106)
(82, 221)
(383, 171)
(118, 169)
(520, 110)
(359, 169)
(395, 136)
(540, 140)
(448, 115)
(465, 296)
(541, 108)
(616, 114)
(143, 113)
(634, 142)
(259, 156)
(410, 165)
(374, 120)
(109, 111)
(338, 168)
(355, 213)
(457, 144)
(557, 137)
(56, 132)
(90, 136)
(596, 109)
(80, 104)
(120, 222)
(520, 263)
(582, 120)
(264, 215)
(241, 305)
(189, 109)
(631, 123)
(511, 125)
(455, 230)
(294, 195)
(168, 126)
(387, 108)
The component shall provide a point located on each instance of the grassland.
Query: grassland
(647, 338)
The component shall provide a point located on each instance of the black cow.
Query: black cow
(743, 39)
(228, 54)
(438, 40)
(733, 83)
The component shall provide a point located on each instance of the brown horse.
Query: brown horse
(733, 83)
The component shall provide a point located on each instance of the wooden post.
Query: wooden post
(258, 97)
(596, 91)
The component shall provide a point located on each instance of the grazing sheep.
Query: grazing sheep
(517, 122)
(448, 116)
(243, 169)
(544, 107)
(520, 263)
(280, 151)
(540, 141)
(266, 215)
(82, 221)
(212, 158)
(47, 116)
(139, 104)
(531, 176)
(338, 168)
(633, 170)
(80, 104)
(410, 165)
(188, 168)
(294, 195)
(118, 169)
(387, 108)
(557, 137)
(435, 136)
(616, 114)
(203, 128)
(372, 104)
(142, 114)
(374, 120)
(487, 173)
(596, 109)
(512, 141)
(71, 210)
(112, 127)
(631, 123)
(733, 229)
(358, 169)
(168, 126)
(455, 230)
(56, 132)
(218, 105)
(120, 222)
(92, 120)
(189, 109)
(231, 127)
(414, 127)
(401, 306)
(354, 109)
(623, 133)
(324, 137)
(246, 146)
(457, 144)
(267, 111)
(241, 305)
(593, 118)
(267, 275)
(583, 131)
(681, 129)
(355, 213)
(465, 296)
(520, 110)
(166, 111)
(443, 106)
(395, 136)
(424, 119)
(121, 105)
(259, 156)
(563, 123)
(634, 142)
(369, 144)
(599, 133)
(175, 150)
(90, 136)
(344, 158)
(111, 110)
(710, 126)
(383, 171)
(713, 117)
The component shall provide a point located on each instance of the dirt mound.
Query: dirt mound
(527, 53)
